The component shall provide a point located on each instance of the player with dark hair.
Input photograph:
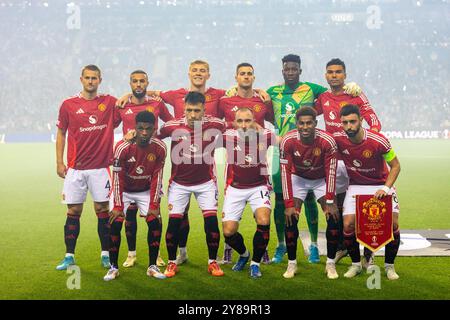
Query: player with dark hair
(365, 154)
(138, 173)
(329, 104)
(287, 98)
(88, 121)
(193, 171)
(247, 181)
(138, 101)
(308, 164)
(245, 97)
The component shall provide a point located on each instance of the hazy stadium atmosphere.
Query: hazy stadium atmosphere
(396, 51)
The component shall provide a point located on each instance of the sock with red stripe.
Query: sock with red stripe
(131, 227)
(103, 228)
(291, 234)
(115, 239)
(71, 232)
(260, 242)
(352, 246)
(184, 230)
(332, 235)
(236, 241)
(153, 238)
(391, 248)
(172, 234)
(212, 235)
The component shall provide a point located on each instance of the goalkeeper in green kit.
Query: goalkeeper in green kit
(287, 98)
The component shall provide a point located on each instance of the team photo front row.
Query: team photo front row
(334, 168)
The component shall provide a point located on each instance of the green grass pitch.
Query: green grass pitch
(32, 244)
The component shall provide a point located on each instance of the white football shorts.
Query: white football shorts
(236, 200)
(140, 199)
(180, 195)
(342, 180)
(301, 187)
(353, 190)
(78, 182)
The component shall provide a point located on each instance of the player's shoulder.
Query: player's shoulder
(377, 137)
(71, 100)
(340, 135)
(325, 136)
(120, 148)
(174, 123)
(215, 91)
(290, 136)
(159, 144)
(156, 100)
(278, 88)
(230, 133)
(213, 120)
(227, 99)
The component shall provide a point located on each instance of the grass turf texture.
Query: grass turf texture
(32, 241)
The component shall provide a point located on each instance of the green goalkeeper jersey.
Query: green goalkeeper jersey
(286, 102)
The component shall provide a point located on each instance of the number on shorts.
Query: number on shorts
(264, 194)
(108, 186)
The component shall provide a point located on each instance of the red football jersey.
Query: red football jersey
(137, 169)
(192, 150)
(330, 106)
(176, 99)
(128, 114)
(229, 105)
(90, 131)
(247, 161)
(364, 162)
(314, 161)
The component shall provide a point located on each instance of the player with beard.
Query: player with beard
(198, 76)
(329, 104)
(247, 181)
(365, 154)
(138, 173)
(193, 172)
(138, 101)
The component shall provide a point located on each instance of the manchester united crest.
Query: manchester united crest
(208, 98)
(150, 109)
(317, 152)
(101, 107)
(367, 154)
(343, 103)
(151, 157)
(257, 108)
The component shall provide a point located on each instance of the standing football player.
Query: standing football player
(329, 104)
(138, 102)
(88, 121)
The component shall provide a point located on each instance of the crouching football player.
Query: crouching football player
(308, 163)
(137, 177)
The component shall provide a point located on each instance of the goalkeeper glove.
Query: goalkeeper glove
(352, 89)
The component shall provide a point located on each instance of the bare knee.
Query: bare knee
(75, 209)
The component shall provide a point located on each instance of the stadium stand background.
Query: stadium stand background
(400, 60)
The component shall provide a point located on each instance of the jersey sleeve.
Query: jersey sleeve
(63, 118)
(368, 113)
(119, 174)
(157, 178)
(169, 96)
(286, 178)
(164, 131)
(330, 168)
(318, 106)
(269, 116)
(317, 89)
(164, 112)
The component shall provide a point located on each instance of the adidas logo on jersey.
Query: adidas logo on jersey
(129, 111)
(327, 104)
(237, 148)
(132, 159)
(80, 111)
(297, 154)
(235, 109)
(345, 152)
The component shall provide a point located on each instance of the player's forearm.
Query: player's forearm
(286, 185)
(393, 173)
(60, 144)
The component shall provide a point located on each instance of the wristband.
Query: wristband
(329, 201)
(386, 189)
